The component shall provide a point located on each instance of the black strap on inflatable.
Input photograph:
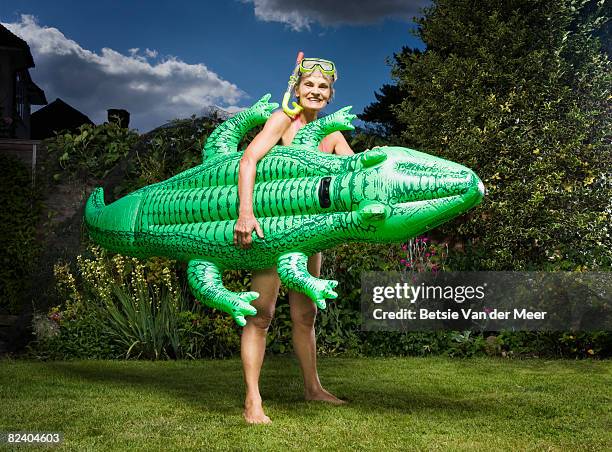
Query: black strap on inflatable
(324, 192)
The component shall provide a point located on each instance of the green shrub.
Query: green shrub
(127, 308)
(92, 152)
(82, 337)
(172, 149)
(518, 91)
(19, 218)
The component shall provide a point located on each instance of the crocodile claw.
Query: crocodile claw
(372, 157)
(293, 272)
(373, 212)
(264, 107)
(344, 117)
(323, 289)
(205, 281)
(242, 307)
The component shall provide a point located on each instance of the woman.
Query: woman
(314, 89)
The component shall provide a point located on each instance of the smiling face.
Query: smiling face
(314, 90)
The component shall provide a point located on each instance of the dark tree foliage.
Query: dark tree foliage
(519, 91)
(380, 113)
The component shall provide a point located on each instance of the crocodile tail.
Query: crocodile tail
(113, 226)
(94, 206)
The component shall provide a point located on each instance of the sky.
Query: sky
(163, 60)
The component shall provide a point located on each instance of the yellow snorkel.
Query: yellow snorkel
(293, 112)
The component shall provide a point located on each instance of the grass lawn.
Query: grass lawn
(399, 403)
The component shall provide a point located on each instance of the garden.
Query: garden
(517, 91)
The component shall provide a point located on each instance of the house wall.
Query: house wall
(22, 127)
(22, 116)
(21, 124)
(7, 84)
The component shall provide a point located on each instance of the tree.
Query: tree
(380, 113)
(519, 91)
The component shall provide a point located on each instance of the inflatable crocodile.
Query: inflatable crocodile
(305, 201)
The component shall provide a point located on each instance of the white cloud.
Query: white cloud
(233, 109)
(151, 53)
(152, 91)
(301, 14)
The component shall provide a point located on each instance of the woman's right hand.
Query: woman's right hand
(243, 230)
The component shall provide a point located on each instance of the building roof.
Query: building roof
(21, 59)
(18, 47)
(55, 117)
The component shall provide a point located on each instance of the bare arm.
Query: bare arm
(341, 147)
(274, 128)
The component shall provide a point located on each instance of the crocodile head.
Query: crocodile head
(398, 193)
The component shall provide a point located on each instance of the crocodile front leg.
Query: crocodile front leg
(205, 282)
(293, 272)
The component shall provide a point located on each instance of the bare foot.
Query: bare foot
(322, 395)
(253, 412)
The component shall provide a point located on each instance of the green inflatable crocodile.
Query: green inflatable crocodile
(305, 201)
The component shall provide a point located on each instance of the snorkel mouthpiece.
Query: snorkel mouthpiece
(293, 112)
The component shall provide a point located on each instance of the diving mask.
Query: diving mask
(326, 67)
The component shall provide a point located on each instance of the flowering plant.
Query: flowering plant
(423, 255)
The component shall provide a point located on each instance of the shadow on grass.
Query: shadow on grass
(217, 386)
(215, 391)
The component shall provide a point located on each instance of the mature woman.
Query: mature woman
(314, 89)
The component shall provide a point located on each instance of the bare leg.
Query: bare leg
(253, 342)
(303, 314)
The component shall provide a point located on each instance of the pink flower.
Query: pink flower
(402, 261)
(404, 247)
(425, 239)
(56, 316)
(427, 254)
(408, 264)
